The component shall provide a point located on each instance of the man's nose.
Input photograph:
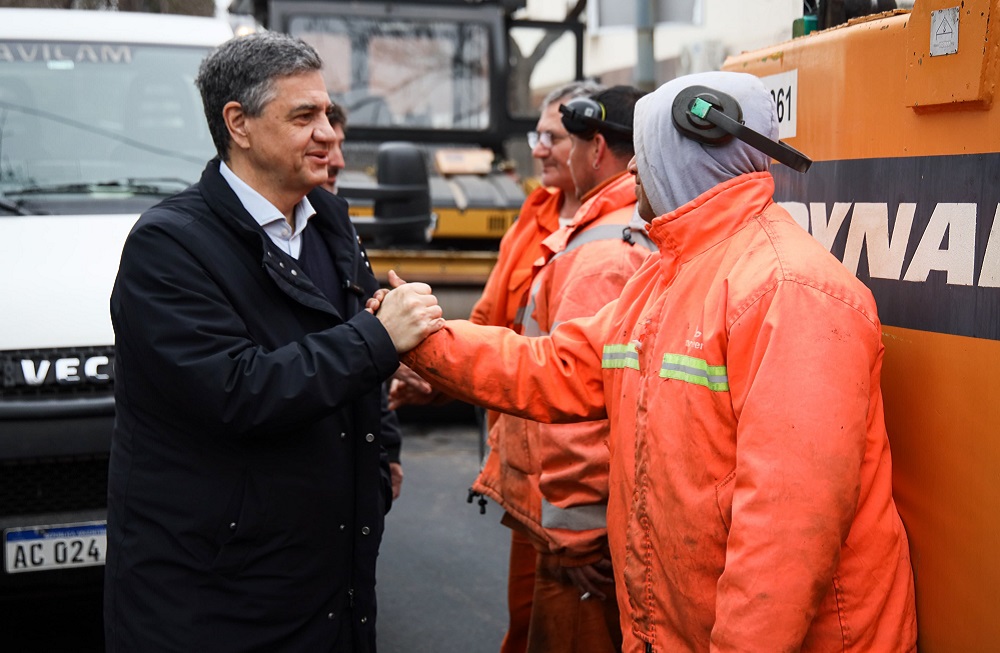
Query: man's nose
(540, 151)
(324, 131)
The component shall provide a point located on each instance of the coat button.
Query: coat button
(232, 526)
(370, 438)
(365, 530)
(343, 435)
(281, 264)
(343, 526)
(295, 273)
(330, 616)
(364, 620)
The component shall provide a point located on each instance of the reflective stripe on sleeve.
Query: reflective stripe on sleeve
(695, 370)
(577, 518)
(616, 357)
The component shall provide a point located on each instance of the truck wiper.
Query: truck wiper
(159, 186)
(91, 129)
(14, 207)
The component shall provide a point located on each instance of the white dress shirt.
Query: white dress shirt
(271, 220)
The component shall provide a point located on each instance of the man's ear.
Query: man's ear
(236, 123)
(600, 145)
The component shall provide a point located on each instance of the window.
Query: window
(403, 73)
(89, 113)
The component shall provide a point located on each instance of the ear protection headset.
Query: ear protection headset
(714, 118)
(584, 117)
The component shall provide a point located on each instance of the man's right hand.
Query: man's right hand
(409, 312)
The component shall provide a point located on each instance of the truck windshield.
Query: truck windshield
(80, 114)
(430, 74)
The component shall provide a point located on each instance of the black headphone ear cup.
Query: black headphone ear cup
(582, 116)
(714, 118)
(698, 128)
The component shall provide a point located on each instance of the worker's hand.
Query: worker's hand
(589, 578)
(376, 300)
(407, 388)
(396, 474)
(409, 312)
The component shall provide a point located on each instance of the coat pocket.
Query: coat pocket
(724, 498)
(515, 437)
(236, 528)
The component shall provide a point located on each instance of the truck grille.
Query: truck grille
(51, 373)
(30, 487)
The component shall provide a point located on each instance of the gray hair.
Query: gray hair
(585, 88)
(243, 70)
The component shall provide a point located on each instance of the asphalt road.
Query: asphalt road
(441, 572)
(442, 566)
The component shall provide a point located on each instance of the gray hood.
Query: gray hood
(675, 169)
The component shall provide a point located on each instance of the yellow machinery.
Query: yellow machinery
(901, 115)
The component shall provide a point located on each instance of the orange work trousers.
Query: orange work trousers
(520, 591)
(545, 611)
(562, 623)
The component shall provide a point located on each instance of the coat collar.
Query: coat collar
(331, 222)
(711, 217)
(616, 193)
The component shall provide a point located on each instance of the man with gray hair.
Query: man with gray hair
(750, 503)
(248, 483)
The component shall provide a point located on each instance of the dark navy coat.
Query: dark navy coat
(247, 482)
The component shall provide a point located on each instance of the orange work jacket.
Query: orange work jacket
(553, 480)
(750, 503)
(520, 247)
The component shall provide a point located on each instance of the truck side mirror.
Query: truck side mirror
(401, 196)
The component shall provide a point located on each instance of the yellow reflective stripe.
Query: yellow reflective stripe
(695, 370)
(616, 357)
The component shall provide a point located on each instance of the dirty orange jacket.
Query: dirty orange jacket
(558, 493)
(750, 502)
(520, 247)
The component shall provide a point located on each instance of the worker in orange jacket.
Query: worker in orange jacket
(554, 203)
(750, 502)
(584, 266)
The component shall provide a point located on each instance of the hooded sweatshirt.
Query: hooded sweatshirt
(676, 169)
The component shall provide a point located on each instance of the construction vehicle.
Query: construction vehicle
(460, 80)
(900, 113)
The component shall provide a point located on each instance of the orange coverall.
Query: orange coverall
(584, 266)
(750, 502)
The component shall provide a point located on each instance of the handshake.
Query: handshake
(408, 311)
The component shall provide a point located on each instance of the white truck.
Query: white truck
(99, 120)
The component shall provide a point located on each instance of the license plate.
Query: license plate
(41, 548)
